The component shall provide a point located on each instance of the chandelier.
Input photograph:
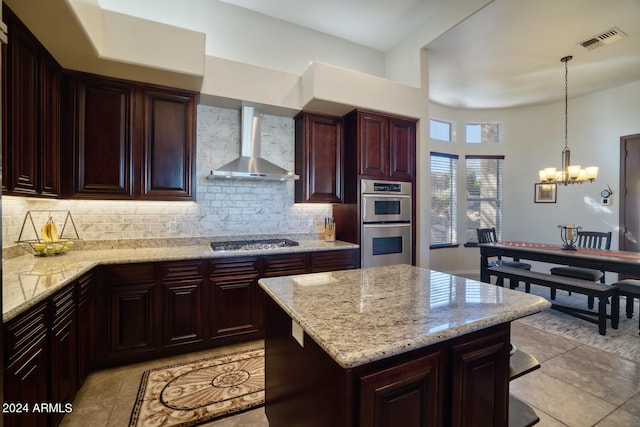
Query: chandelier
(568, 174)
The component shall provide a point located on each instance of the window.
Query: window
(444, 218)
(484, 194)
(440, 130)
(482, 133)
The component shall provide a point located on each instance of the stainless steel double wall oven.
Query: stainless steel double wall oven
(385, 223)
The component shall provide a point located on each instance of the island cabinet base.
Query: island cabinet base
(460, 382)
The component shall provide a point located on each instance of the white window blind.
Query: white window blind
(484, 194)
(444, 196)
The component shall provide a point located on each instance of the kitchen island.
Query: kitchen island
(396, 345)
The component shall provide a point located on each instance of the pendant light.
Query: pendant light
(568, 174)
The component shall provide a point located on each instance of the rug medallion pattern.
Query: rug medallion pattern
(191, 393)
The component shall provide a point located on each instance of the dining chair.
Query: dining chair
(587, 240)
(489, 235)
(630, 289)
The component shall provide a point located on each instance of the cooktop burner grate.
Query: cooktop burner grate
(247, 245)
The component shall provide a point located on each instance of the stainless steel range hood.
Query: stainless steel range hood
(250, 165)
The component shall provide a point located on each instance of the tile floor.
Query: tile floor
(577, 385)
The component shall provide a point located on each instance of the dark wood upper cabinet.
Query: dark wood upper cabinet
(379, 147)
(103, 138)
(130, 140)
(319, 158)
(169, 144)
(114, 139)
(402, 149)
(30, 115)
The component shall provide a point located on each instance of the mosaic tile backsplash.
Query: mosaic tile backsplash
(222, 208)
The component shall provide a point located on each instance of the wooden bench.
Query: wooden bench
(601, 291)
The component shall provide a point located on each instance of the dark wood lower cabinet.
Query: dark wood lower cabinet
(26, 376)
(460, 382)
(234, 299)
(183, 285)
(118, 314)
(86, 328)
(408, 394)
(63, 352)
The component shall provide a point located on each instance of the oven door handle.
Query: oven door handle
(385, 224)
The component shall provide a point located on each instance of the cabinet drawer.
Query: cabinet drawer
(85, 287)
(333, 260)
(235, 266)
(281, 265)
(130, 274)
(180, 270)
(25, 331)
(62, 303)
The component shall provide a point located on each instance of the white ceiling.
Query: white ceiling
(507, 54)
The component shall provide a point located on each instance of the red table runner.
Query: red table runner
(603, 252)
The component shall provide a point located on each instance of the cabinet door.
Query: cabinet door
(26, 381)
(26, 377)
(169, 145)
(408, 394)
(235, 307)
(134, 315)
(183, 286)
(402, 143)
(86, 329)
(481, 368)
(319, 158)
(23, 110)
(373, 145)
(63, 362)
(103, 149)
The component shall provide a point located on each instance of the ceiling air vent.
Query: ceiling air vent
(602, 39)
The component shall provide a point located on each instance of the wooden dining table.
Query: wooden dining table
(609, 260)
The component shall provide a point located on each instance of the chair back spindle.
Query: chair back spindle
(594, 239)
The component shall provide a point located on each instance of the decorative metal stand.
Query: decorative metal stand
(31, 240)
(569, 236)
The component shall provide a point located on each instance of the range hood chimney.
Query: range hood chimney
(250, 165)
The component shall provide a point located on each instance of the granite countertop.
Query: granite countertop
(27, 280)
(360, 316)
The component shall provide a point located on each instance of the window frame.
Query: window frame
(452, 173)
(451, 129)
(481, 142)
(498, 198)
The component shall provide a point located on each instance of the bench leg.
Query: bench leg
(527, 287)
(590, 301)
(629, 306)
(602, 315)
(615, 311)
(553, 293)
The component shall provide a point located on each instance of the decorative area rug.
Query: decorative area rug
(192, 393)
(623, 341)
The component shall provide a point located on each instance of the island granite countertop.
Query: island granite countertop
(361, 316)
(27, 280)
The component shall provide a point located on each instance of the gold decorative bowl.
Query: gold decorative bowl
(49, 248)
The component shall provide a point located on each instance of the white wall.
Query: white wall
(533, 137)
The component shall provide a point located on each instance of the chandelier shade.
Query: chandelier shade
(568, 173)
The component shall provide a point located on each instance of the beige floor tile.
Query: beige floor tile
(619, 418)
(254, 418)
(562, 401)
(633, 406)
(547, 420)
(93, 414)
(604, 375)
(541, 344)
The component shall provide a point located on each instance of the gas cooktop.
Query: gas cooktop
(250, 245)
